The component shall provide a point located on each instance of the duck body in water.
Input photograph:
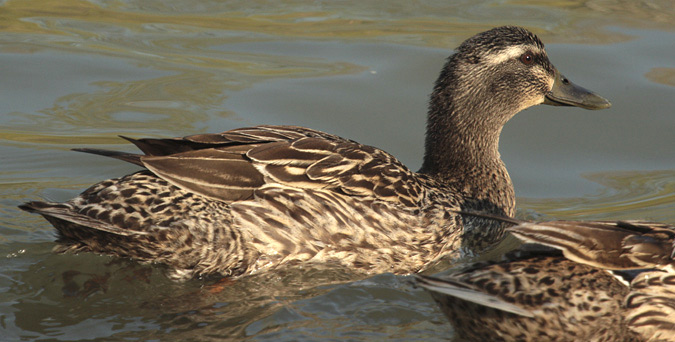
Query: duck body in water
(256, 198)
(603, 281)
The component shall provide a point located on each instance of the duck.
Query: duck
(258, 198)
(571, 281)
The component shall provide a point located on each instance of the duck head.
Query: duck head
(491, 77)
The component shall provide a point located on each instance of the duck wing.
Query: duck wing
(230, 166)
(239, 136)
(605, 244)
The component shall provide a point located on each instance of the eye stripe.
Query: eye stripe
(504, 55)
(514, 52)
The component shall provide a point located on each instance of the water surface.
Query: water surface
(77, 73)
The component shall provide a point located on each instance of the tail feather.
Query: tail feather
(125, 156)
(65, 212)
(464, 292)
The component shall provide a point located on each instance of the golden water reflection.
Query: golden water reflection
(192, 44)
(662, 76)
(359, 20)
(647, 195)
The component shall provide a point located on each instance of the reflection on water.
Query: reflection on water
(78, 73)
(662, 75)
(625, 195)
(97, 293)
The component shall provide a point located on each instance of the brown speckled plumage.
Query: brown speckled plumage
(256, 198)
(546, 295)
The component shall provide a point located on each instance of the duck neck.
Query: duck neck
(462, 145)
(451, 149)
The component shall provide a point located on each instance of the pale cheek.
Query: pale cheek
(537, 100)
(550, 84)
(533, 101)
(537, 97)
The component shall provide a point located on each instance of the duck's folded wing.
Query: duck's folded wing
(239, 136)
(230, 166)
(605, 244)
(651, 306)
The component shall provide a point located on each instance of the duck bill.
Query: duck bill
(566, 93)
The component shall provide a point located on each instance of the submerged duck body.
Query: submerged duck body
(568, 294)
(256, 198)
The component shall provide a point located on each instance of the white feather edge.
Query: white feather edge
(473, 296)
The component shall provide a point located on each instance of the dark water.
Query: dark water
(77, 73)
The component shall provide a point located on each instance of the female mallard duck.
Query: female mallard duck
(548, 296)
(253, 198)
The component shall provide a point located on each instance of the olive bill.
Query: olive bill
(566, 93)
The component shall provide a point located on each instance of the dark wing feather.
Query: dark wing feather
(127, 157)
(230, 166)
(239, 136)
(220, 173)
(343, 165)
(605, 244)
(269, 133)
(165, 147)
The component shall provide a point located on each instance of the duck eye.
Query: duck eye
(527, 58)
